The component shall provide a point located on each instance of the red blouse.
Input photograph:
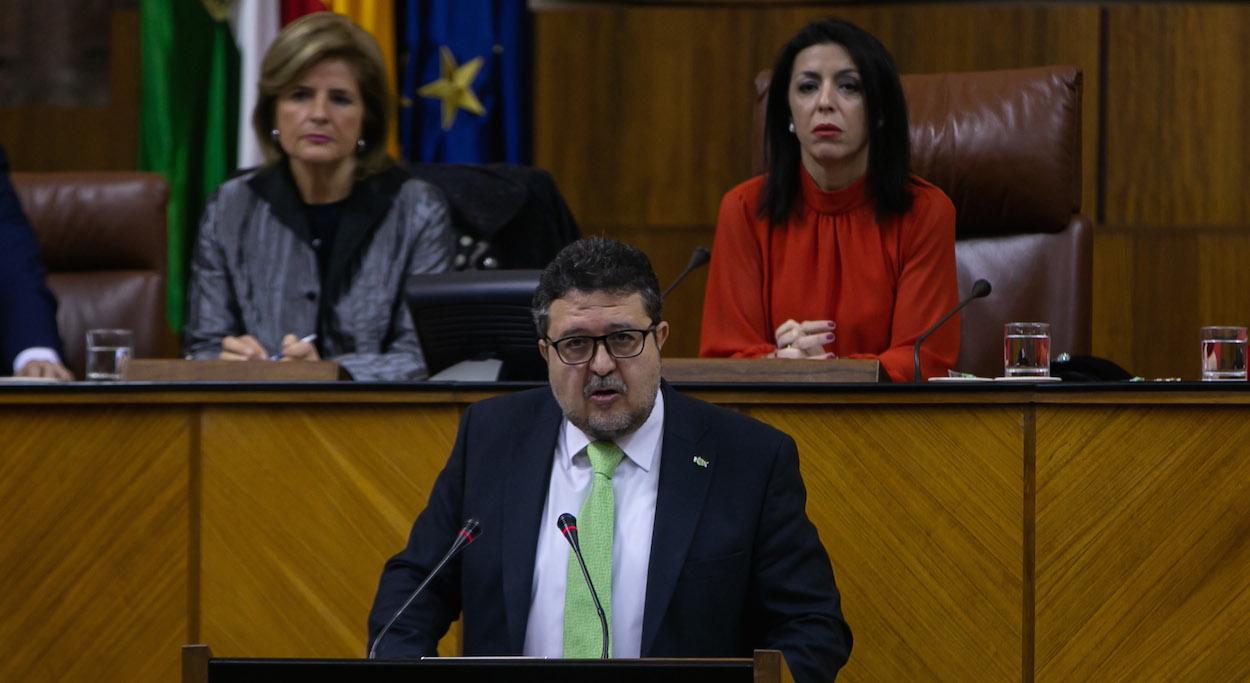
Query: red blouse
(882, 283)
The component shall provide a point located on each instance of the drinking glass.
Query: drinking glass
(1223, 353)
(1026, 350)
(108, 352)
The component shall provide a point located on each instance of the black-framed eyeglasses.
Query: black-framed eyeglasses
(620, 344)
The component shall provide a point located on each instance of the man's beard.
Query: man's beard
(612, 425)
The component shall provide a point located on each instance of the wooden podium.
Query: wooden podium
(199, 666)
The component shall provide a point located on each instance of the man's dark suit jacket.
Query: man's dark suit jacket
(27, 307)
(735, 563)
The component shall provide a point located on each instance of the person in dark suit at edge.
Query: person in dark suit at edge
(708, 550)
(30, 345)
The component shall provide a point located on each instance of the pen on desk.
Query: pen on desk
(305, 338)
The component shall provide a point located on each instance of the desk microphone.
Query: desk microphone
(568, 526)
(980, 288)
(699, 257)
(467, 534)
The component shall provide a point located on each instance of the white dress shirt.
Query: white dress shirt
(34, 353)
(634, 487)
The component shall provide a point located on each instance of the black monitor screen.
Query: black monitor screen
(476, 315)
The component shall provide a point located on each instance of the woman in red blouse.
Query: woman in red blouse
(837, 250)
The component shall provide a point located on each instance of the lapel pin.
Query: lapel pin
(700, 461)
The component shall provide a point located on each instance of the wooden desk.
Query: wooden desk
(977, 533)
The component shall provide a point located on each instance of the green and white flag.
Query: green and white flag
(188, 121)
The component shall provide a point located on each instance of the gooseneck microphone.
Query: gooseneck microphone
(980, 288)
(568, 526)
(467, 534)
(699, 257)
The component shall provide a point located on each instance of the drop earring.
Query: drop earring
(360, 145)
(275, 135)
(791, 126)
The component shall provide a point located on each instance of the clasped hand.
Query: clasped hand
(247, 348)
(805, 339)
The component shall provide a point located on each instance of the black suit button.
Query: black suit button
(311, 296)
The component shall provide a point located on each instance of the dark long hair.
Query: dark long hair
(885, 109)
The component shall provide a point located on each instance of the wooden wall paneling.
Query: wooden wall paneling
(1113, 320)
(635, 108)
(301, 508)
(1176, 125)
(1165, 294)
(93, 504)
(920, 509)
(1176, 166)
(45, 138)
(669, 250)
(1223, 278)
(1143, 564)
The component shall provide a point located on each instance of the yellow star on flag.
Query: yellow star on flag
(454, 87)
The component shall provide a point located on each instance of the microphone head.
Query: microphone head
(567, 524)
(471, 529)
(981, 288)
(700, 256)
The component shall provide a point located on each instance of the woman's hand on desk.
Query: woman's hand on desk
(242, 348)
(294, 348)
(805, 339)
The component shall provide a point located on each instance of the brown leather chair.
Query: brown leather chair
(1005, 146)
(102, 239)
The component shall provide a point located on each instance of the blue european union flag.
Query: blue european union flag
(464, 81)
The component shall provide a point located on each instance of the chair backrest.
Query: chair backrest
(102, 240)
(1005, 146)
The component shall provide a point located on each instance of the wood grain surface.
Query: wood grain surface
(301, 508)
(1143, 560)
(94, 512)
(1102, 539)
(921, 513)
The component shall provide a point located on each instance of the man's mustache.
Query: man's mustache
(597, 383)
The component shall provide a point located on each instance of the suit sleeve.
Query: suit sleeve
(212, 305)
(430, 252)
(27, 307)
(417, 632)
(927, 288)
(735, 318)
(800, 611)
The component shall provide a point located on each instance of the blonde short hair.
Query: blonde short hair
(306, 42)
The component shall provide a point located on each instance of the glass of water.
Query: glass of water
(1026, 350)
(108, 352)
(1223, 353)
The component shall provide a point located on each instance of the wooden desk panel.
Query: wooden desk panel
(93, 562)
(301, 508)
(920, 509)
(1135, 565)
(1143, 543)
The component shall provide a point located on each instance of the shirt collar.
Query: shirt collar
(640, 446)
(832, 201)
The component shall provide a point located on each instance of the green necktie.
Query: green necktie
(583, 636)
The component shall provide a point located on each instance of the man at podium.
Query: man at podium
(691, 518)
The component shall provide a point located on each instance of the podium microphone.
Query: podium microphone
(699, 257)
(568, 526)
(980, 288)
(467, 534)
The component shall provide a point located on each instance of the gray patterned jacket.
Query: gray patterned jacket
(255, 270)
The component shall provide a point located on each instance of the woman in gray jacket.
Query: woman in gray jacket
(306, 257)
